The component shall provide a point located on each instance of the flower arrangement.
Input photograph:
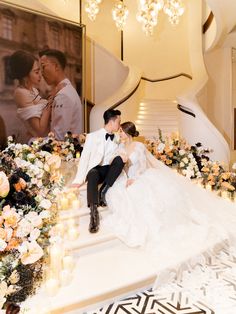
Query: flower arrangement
(193, 162)
(29, 183)
(177, 153)
(68, 149)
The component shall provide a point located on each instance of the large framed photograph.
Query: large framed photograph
(32, 32)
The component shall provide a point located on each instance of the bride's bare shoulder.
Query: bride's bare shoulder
(23, 97)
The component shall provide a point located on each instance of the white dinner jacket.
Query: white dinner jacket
(92, 154)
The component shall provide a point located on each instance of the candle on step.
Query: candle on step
(65, 277)
(75, 204)
(60, 230)
(52, 286)
(73, 233)
(71, 196)
(56, 255)
(68, 262)
(64, 203)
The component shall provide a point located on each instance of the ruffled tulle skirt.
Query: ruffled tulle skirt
(170, 217)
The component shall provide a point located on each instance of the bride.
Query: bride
(166, 214)
(32, 109)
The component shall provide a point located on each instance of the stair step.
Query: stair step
(156, 122)
(98, 278)
(87, 242)
(156, 127)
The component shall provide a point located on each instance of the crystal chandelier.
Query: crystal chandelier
(92, 8)
(148, 12)
(174, 9)
(120, 14)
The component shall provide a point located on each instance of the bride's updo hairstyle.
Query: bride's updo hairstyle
(130, 129)
(21, 63)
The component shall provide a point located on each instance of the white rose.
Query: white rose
(181, 152)
(34, 218)
(33, 254)
(185, 160)
(46, 204)
(31, 157)
(182, 165)
(18, 146)
(160, 147)
(34, 234)
(24, 228)
(45, 214)
(3, 245)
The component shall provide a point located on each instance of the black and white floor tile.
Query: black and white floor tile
(208, 288)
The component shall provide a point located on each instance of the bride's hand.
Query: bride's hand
(129, 182)
(76, 185)
(124, 157)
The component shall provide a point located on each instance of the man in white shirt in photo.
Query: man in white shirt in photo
(67, 112)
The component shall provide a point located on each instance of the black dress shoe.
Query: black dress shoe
(102, 195)
(94, 219)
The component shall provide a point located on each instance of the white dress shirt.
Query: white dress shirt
(67, 112)
(109, 148)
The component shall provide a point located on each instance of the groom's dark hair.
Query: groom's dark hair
(110, 114)
(56, 54)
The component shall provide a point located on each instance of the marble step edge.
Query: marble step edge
(155, 123)
(86, 241)
(78, 213)
(95, 302)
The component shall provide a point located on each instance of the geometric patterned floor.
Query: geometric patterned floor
(148, 303)
(209, 287)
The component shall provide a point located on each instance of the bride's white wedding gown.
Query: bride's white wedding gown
(173, 219)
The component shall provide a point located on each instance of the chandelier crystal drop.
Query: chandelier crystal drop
(148, 14)
(174, 9)
(92, 8)
(120, 14)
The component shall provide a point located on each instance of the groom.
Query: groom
(98, 165)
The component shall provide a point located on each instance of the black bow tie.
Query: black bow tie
(109, 135)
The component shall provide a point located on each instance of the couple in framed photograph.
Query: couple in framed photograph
(40, 93)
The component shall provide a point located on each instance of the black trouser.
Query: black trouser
(102, 174)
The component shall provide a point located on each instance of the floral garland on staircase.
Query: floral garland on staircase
(193, 162)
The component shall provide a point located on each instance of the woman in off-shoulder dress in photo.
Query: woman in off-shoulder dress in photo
(32, 109)
(164, 213)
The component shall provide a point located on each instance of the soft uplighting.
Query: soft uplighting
(92, 8)
(120, 14)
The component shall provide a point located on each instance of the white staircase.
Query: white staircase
(105, 271)
(157, 114)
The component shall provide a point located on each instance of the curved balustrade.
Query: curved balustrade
(151, 81)
(208, 22)
(186, 110)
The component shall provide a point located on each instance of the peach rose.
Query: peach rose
(54, 162)
(4, 185)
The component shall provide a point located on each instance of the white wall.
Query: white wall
(105, 73)
(219, 88)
